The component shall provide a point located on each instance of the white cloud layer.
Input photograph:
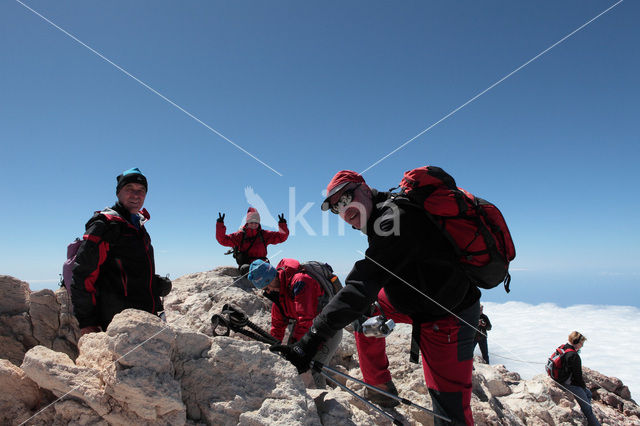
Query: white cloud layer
(524, 336)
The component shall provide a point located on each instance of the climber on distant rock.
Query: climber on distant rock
(565, 367)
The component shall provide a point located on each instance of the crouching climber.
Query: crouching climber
(298, 292)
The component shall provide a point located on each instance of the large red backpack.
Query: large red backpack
(475, 227)
(555, 364)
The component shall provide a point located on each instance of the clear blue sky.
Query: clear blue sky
(312, 88)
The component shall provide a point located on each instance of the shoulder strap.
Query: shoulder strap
(244, 235)
(262, 238)
(253, 240)
(275, 298)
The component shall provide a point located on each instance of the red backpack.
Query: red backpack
(555, 364)
(475, 227)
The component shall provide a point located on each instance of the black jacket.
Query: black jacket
(418, 255)
(114, 268)
(573, 365)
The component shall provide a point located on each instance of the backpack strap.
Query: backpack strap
(253, 240)
(275, 298)
(403, 200)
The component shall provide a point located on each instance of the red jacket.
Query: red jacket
(298, 297)
(256, 249)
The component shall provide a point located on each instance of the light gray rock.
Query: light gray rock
(44, 311)
(71, 412)
(15, 295)
(144, 371)
(40, 318)
(19, 395)
(12, 349)
(141, 339)
(196, 297)
(235, 378)
(57, 373)
(493, 381)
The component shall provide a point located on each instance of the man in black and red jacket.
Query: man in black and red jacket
(411, 269)
(114, 268)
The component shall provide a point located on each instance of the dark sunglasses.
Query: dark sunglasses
(345, 199)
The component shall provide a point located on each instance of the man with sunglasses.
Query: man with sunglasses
(411, 269)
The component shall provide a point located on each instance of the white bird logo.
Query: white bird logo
(256, 201)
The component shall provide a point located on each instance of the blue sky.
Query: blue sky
(310, 89)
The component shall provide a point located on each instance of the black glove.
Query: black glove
(302, 352)
(220, 217)
(163, 285)
(281, 218)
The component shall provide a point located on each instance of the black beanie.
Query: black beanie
(131, 176)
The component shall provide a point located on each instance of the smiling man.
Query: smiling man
(114, 267)
(412, 270)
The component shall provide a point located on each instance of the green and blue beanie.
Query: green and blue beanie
(131, 176)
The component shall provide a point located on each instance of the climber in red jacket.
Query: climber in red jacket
(297, 298)
(251, 241)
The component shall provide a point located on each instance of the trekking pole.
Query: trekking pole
(369, 403)
(320, 367)
(238, 320)
(218, 322)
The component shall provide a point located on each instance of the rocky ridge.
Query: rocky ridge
(144, 371)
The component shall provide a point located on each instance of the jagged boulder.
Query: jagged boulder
(196, 297)
(611, 392)
(30, 318)
(144, 371)
(19, 395)
(541, 401)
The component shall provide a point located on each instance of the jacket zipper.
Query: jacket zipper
(153, 299)
(123, 276)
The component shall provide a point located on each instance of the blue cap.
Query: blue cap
(261, 273)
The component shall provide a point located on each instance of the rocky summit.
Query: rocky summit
(145, 371)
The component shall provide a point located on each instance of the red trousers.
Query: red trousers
(446, 346)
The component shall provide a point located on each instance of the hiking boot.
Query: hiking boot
(380, 399)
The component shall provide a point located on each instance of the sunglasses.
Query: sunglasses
(345, 199)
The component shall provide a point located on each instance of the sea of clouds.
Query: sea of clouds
(524, 336)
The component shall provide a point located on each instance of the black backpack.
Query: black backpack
(323, 274)
(242, 257)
